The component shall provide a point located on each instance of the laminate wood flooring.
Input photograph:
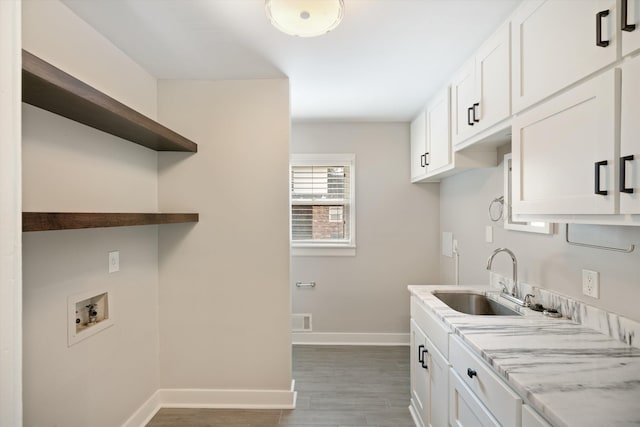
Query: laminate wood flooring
(339, 386)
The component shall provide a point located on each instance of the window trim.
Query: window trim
(348, 248)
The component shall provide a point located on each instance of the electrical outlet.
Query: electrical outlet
(591, 283)
(114, 261)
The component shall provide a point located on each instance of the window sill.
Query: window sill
(323, 250)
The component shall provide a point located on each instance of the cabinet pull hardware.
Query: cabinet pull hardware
(469, 122)
(426, 162)
(623, 13)
(420, 354)
(474, 112)
(623, 174)
(471, 373)
(423, 359)
(599, 16)
(597, 178)
(423, 160)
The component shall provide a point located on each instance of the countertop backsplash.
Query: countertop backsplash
(611, 324)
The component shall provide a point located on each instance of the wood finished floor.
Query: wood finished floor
(338, 386)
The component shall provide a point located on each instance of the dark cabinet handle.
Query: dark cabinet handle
(423, 159)
(426, 159)
(420, 354)
(423, 359)
(471, 373)
(599, 16)
(623, 173)
(469, 122)
(474, 112)
(597, 178)
(623, 13)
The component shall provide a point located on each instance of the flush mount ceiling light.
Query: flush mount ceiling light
(305, 18)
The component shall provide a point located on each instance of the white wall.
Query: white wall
(10, 217)
(543, 260)
(397, 233)
(67, 166)
(224, 282)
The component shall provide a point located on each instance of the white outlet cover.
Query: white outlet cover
(488, 234)
(114, 261)
(591, 283)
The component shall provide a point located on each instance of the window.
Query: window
(322, 204)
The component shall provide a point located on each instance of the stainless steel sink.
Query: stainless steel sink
(474, 303)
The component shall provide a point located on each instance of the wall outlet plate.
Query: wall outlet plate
(114, 261)
(591, 283)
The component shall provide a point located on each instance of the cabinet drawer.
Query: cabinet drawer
(435, 329)
(465, 409)
(496, 395)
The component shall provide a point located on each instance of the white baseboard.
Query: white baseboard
(145, 412)
(212, 398)
(338, 338)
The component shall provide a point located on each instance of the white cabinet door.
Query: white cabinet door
(465, 409)
(439, 386)
(555, 45)
(557, 145)
(463, 96)
(630, 25)
(493, 80)
(419, 373)
(418, 147)
(630, 138)
(438, 133)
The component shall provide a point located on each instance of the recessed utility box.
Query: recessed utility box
(88, 314)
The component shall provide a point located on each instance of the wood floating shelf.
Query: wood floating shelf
(51, 89)
(44, 221)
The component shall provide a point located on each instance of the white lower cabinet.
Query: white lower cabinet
(419, 375)
(451, 386)
(465, 409)
(429, 373)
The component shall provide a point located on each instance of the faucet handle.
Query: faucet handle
(527, 299)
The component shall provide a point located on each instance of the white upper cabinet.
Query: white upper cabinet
(493, 80)
(481, 90)
(629, 162)
(463, 94)
(564, 151)
(630, 25)
(419, 147)
(558, 42)
(438, 134)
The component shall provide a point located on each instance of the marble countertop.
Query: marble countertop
(573, 375)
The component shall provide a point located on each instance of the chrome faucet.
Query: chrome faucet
(510, 295)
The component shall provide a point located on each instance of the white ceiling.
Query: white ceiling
(383, 62)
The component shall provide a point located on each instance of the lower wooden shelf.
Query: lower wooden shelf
(43, 221)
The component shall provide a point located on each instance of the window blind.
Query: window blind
(320, 203)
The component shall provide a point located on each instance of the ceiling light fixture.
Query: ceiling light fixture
(305, 18)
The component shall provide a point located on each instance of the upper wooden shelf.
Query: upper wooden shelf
(51, 89)
(44, 221)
